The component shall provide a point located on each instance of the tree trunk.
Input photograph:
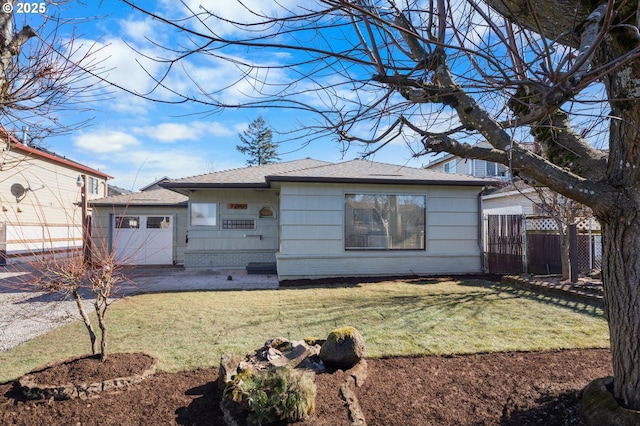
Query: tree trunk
(86, 320)
(620, 221)
(103, 327)
(621, 276)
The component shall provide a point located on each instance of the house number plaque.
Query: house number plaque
(231, 206)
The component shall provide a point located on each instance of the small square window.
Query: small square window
(204, 214)
(450, 167)
(127, 222)
(158, 222)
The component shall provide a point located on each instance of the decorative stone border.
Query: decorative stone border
(31, 389)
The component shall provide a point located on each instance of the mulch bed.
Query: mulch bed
(537, 388)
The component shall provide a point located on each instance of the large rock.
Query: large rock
(600, 408)
(343, 348)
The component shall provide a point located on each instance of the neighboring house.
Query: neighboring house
(471, 167)
(142, 228)
(511, 197)
(312, 219)
(41, 199)
(515, 197)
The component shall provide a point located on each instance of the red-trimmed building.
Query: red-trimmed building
(41, 208)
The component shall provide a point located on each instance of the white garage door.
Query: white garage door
(143, 240)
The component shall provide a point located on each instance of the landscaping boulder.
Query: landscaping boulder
(600, 408)
(344, 348)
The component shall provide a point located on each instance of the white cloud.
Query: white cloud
(139, 30)
(105, 141)
(137, 168)
(174, 132)
(247, 11)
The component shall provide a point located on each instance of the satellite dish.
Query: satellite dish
(18, 190)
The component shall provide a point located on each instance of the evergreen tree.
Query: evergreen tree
(257, 144)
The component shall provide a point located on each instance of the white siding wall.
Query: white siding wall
(463, 167)
(509, 203)
(46, 217)
(312, 234)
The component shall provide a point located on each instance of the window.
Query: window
(204, 214)
(93, 185)
(238, 224)
(127, 222)
(158, 222)
(384, 222)
(450, 167)
(484, 168)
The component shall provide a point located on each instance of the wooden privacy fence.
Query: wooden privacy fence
(514, 244)
(504, 244)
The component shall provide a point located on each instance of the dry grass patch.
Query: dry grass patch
(191, 330)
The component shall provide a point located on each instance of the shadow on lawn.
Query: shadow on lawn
(580, 306)
(346, 282)
(475, 291)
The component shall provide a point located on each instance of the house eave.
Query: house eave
(411, 182)
(139, 204)
(187, 187)
(57, 159)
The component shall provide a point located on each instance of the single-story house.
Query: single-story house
(315, 219)
(40, 195)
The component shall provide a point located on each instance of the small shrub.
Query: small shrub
(274, 394)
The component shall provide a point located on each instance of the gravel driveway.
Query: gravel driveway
(25, 314)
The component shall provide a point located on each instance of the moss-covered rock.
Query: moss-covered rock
(344, 348)
(600, 408)
(277, 394)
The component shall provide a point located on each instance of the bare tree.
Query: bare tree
(71, 275)
(446, 74)
(44, 70)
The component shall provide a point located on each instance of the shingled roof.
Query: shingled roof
(154, 197)
(247, 177)
(363, 171)
(309, 170)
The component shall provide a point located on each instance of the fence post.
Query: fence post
(590, 245)
(573, 252)
(525, 245)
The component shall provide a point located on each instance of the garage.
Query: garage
(143, 239)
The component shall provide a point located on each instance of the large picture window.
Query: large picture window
(204, 214)
(384, 222)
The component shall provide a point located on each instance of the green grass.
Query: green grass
(191, 330)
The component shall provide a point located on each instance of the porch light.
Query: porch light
(80, 181)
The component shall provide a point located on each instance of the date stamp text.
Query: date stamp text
(25, 7)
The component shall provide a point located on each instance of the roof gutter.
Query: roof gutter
(60, 160)
(414, 182)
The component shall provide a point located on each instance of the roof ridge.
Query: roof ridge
(251, 167)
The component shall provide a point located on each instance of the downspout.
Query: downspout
(111, 231)
(481, 230)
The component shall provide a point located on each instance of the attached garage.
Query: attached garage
(143, 240)
(142, 228)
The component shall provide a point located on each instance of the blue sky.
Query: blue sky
(138, 141)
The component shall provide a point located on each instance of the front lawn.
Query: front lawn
(413, 317)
